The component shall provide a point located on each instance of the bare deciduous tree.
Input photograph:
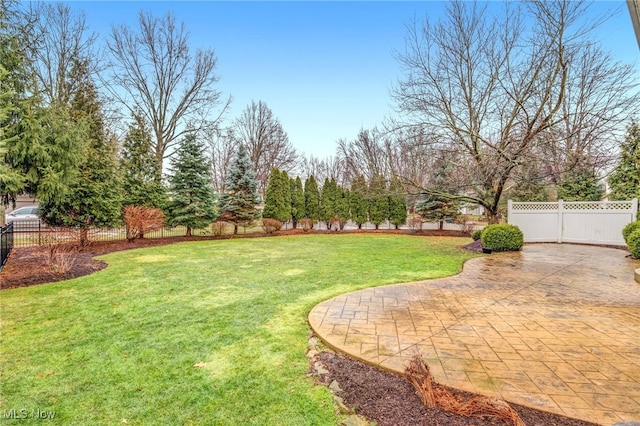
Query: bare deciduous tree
(155, 73)
(490, 87)
(266, 142)
(222, 146)
(63, 41)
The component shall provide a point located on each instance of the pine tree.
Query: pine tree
(94, 197)
(581, 184)
(311, 199)
(139, 168)
(625, 178)
(328, 199)
(297, 200)
(359, 201)
(438, 208)
(41, 148)
(397, 203)
(193, 203)
(378, 200)
(239, 200)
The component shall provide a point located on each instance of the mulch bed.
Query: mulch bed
(390, 400)
(377, 395)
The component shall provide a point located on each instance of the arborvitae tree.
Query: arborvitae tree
(239, 200)
(193, 202)
(342, 209)
(328, 200)
(581, 184)
(94, 197)
(378, 200)
(625, 179)
(271, 195)
(311, 199)
(140, 170)
(359, 201)
(297, 200)
(397, 203)
(277, 203)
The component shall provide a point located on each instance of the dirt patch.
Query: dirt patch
(390, 400)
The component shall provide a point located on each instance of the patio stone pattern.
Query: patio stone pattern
(554, 327)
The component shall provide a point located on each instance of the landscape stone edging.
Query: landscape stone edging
(636, 275)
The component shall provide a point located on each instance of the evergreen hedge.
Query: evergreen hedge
(502, 237)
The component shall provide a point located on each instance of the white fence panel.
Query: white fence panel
(573, 222)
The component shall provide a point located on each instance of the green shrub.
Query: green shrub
(502, 237)
(633, 243)
(476, 234)
(629, 229)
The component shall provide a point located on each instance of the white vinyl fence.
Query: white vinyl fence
(587, 222)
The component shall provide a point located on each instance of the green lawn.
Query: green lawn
(210, 332)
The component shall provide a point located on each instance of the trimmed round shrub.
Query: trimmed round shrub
(476, 234)
(271, 225)
(633, 243)
(502, 237)
(627, 230)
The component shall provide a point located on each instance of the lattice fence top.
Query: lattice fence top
(535, 206)
(618, 206)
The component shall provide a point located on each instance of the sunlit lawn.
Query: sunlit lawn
(210, 332)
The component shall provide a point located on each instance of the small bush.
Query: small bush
(415, 223)
(218, 228)
(629, 229)
(476, 234)
(140, 220)
(271, 225)
(306, 224)
(502, 237)
(633, 243)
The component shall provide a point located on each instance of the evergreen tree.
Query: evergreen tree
(437, 209)
(378, 200)
(41, 148)
(311, 199)
(193, 203)
(581, 184)
(434, 207)
(358, 201)
(94, 197)
(278, 196)
(625, 179)
(297, 200)
(328, 199)
(139, 168)
(342, 210)
(239, 200)
(397, 203)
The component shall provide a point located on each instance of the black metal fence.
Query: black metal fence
(6, 243)
(34, 233)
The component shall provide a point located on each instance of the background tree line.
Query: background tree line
(532, 110)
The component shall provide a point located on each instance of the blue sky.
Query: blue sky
(324, 68)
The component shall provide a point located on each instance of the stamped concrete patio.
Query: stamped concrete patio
(554, 327)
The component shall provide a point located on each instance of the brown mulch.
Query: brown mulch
(377, 395)
(390, 400)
